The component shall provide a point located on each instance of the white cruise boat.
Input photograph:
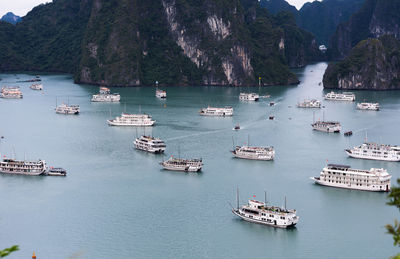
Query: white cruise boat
(368, 106)
(345, 96)
(36, 87)
(132, 120)
(259, 212)
(327, 126)
(309, 104)
(105, 95)
(11, 92)
(149, 144)
(212, 111)
(375, 151)
(161, 94)
(249, 97)
(184, 165)
(67, 109)
(11, 166)
(254, 153)
(342, 176)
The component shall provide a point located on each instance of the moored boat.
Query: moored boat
(11, 92)
(161, 94)
(56, 172)
(184, 165)
(313, 103)
(254, 153)
(342, 176)
(212, 111)
(259, 212)
(368, 106)
(12, 166)
(374, 151)
(249, 97)
(105, 95)
(67, 109)
(36, 87)
(149, 144)
(345, 96)
(132, 120)
(327, 126)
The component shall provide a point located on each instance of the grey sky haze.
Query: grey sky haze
(22, 7)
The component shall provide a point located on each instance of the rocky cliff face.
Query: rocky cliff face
(374, 19)
(175, 42)
(374, 64)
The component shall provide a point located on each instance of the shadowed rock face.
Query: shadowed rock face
(376, 18)
(374, 64)
(133, 42)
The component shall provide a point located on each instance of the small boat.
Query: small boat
(249, 97)
(56, 172)
(348, 133)
(237, 127)
(184, 165)
(67, 109)
(161, 94)
(105, 95)
(271, 104)
(213, 111)
(11, 92)
(271, 117)
(36, 87)
(368, 106)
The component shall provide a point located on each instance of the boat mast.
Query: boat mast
(237, 197)
(366, 138)
(285, 202)
(265, 197)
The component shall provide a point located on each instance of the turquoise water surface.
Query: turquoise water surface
(116, 202)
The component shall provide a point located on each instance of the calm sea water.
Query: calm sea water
(116, 202)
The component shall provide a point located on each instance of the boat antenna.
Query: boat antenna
(265, 197)
(237, 197)
(366, 138)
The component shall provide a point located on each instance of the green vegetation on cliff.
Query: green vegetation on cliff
(133, 42)
(373, 64)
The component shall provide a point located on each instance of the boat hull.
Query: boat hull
(181, 168)
(22, 173)
(263, 158)
(350, 154)
(351, 187)
(261, 222)
(112, 123)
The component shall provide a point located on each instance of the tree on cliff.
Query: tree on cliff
(394, 230)
(7, 251)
